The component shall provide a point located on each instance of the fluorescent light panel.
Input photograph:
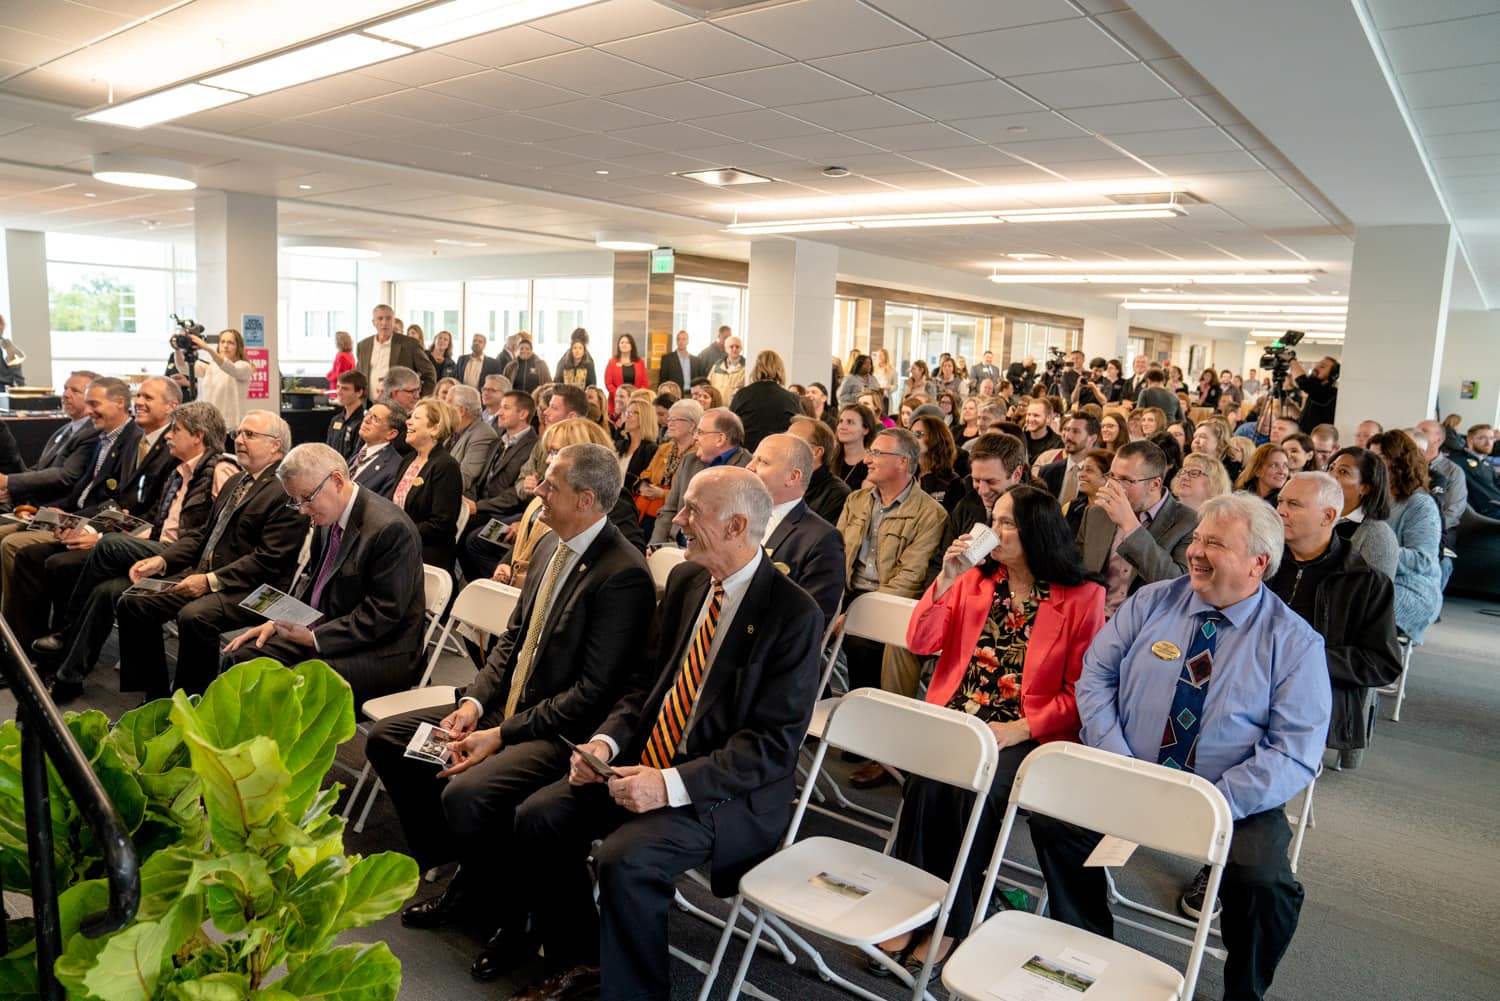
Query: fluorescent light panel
(1260, 320)
(1128, 279)
(1175, 267)
(1085, 213)
(1295, 325)
(311, 62)
(459, 19)
(187, 99)
(1229, 304)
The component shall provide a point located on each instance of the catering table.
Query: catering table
(308, 425)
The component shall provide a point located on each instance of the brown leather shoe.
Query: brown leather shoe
(561, 986)
(870, 776)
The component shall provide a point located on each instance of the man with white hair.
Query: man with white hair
(704, 757)
(1213, 674)
(473, 441)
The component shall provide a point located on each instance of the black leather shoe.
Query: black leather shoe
(63, 692)
(565, 986)
(501, 954)
(435, 912)
(55, 643)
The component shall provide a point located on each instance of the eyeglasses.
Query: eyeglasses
(1191, 474)
(681, 420)
(1128, 479)
(297, 505)
(247, 433)
(880, 452)
(700, 432)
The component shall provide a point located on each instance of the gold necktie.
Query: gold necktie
(1069, 485)
(534, 629)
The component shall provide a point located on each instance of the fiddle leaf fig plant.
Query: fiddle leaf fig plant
(245, 886)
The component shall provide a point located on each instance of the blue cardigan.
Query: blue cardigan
(1418, 525)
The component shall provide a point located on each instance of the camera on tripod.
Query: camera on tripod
(1278, 356)
(183, 339)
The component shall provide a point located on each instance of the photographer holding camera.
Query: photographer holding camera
(219, 373)
(1319, 388)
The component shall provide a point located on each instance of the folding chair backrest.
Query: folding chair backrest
(880, 617)
(661, 563)
(941, 744)
(1140, 801)
(463, 519)
(486, 605)
(437, 587)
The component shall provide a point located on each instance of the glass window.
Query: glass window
(900, 322)
(845, 313)
(316, 297)
(561, 305)
(701, 308)
(1133, 346)
(495, 308)
(433, 306)
(1035, 339)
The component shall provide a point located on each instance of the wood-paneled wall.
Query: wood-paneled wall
(644, 303)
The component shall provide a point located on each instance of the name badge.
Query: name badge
(338, 425)
(111, 484)
(1166, 649)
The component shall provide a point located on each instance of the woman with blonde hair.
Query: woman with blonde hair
(764, 405)
(1265, 474)
(884, 372)
(637, 445)
(430, 483)
(530, 529)
(1201, 477)
(1212, 438)
(223, 373)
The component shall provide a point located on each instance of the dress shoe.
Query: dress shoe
(870, 776)
(435, 912)
(54, 643)
(564, 986)
(63, 691)
(503, 952)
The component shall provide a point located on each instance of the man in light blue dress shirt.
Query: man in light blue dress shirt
(1264, 720)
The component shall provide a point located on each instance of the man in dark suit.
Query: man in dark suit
(249, 538)
(498, 496)
(377, 461)
(64, 458)
(364, 574)
(473, 367)
(738, 662)
(1135, 533)
(1080, 432)
(156, 401)
(375, 355)
(679, 366)
(560, 666)
(824, 492)
(343, 429)
(800, 544)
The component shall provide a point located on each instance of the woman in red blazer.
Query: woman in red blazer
(1010, 634)
(627, 367)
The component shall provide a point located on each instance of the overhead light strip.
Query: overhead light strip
(1128, 279)
(977, 218)
(1260, 323)
(311, 62)
(1228, 304)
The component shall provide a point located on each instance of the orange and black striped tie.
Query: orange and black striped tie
(677, 707)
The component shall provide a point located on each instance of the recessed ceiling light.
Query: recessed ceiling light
(835, 171)
(624, 240)
(721, 177)
(144, 172)
(1082, 213)
(310, 62)
(89, 194)
(449, 22)
(305, 187)
(1017, 130)
(1032, 257)
(1030, 278)
(322, 246)
(163, 106)
(601, 173)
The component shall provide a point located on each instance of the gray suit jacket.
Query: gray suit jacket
(664, 534)
(1156, 553)
(63, 462)
(473, 450)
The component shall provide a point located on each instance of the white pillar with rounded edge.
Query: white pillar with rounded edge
(1107, 335)
(23, 302)
(1398, 316)
(1471, 353)
(235, 246)
(792, 286)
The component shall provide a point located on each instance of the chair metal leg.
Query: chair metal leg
(770, 941)
(1398, 688)
(1116, 897)
(744, 967)
(364, 815)
(354, 796)
(712, 973)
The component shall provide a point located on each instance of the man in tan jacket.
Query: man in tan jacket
(893, 534)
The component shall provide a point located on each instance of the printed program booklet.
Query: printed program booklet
(429, 744)
(280, 606)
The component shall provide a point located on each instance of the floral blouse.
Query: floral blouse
(991, 688)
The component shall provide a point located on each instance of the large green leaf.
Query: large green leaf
(213, 987)
(136, 959)
(327, 720)
(313, 905)
(377, 885)
(346, 973)
(165, 877)
(79, 953)
(253, 699)
(135, 730)
(18, 979)
(244, 784)
(237, 890)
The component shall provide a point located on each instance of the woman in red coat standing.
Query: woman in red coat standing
(626, 368)
(1010, 634)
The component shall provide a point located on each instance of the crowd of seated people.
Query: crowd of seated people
(1142, 538)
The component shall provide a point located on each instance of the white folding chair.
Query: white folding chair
(1398, 687)
(854, 894)
(1303, 819)
(1139, 801)
(661, 563)
(881, 618)
(485, 605)
(463, 519)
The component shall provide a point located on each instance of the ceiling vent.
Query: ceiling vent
(1178, 198)
(723, 177)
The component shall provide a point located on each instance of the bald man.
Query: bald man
(800, 544)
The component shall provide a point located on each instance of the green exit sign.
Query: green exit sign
(661, 261)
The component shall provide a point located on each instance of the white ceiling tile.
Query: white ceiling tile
(1218, 109)
(1019, 128)
(62, 20)
(1151, 144)
(754, 126)
(1465, 42)
(961, 17)
(925, 135)
(781, 85)
(600, 147)
(1486, 184)
(1092, 87)
(591, 72)
(1140, 116)
(319, 95)
(902, 67)
(966, 100)
(739, 154)
(966, 158)
(812, 28)
(594, 115)
(872, 165)
(848, 113)
(506, 46)
(1042, 48)
(683, 101)
(518, 128)
(923, 180)
(1137, 35)
(662, 162)
(1459, 85)
(821, 146)
(426, 106)
(1467, 166)
(499, 89)
(421, 68)
(696, 50)
(1400, 13)
(1480, 116)
(606, 22)
(29, 48)
(300, 132)
(1050, 152)
(359, 119)
(1182, 77)
(672, 135)
(1101, 170)
(1249, 137)
(1206, 163)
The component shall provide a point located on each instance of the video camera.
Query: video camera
(1279, 355)
(186, 331)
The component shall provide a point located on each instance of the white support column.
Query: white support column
(235, 237)
(1471, 353)
(1106, 336)
(1398, 317)
(791, 306)
(23, 302)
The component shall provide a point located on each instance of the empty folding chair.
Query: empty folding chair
(661, 563)
(1138, 801)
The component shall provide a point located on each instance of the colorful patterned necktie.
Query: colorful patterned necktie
(677, 707)
(1179, 740)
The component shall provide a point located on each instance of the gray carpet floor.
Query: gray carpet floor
(1402, 871)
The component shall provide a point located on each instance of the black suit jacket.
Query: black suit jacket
(64, 461)
(671, 370)
(1052, 474)
(765, 409)
(11, 461)
(343, 432)
(488, 366)
(373, 603)
(433, 505)
(259, 545)
(738, 757)
(109, 484)
(584, 661)
(497, 488)
(379, 474)
(145, 481)
(812, 553)
(826, 494)
(199, 502)
(406, 351)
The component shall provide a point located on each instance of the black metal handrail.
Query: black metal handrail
(44, 735)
